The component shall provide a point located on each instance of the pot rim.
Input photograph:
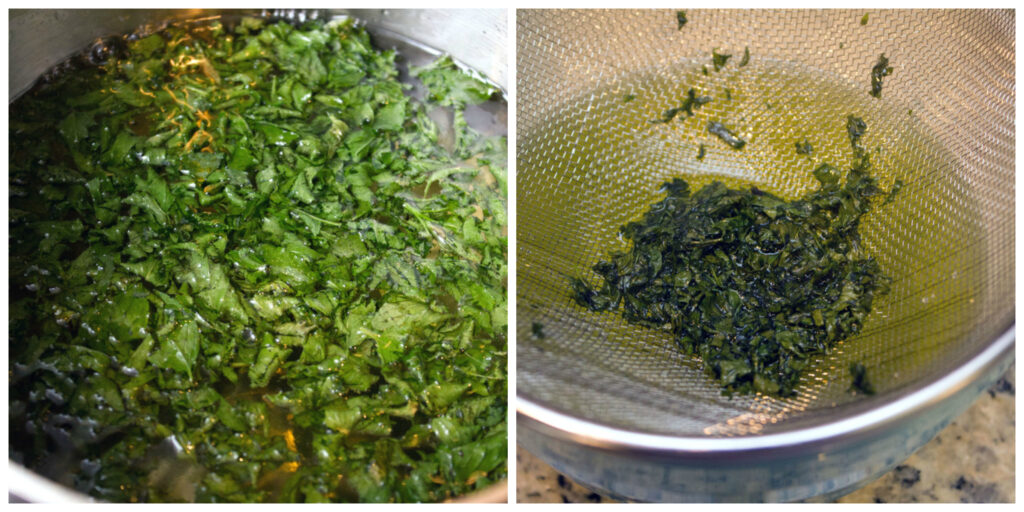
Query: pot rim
(550, 421)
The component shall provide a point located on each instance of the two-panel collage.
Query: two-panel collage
(510, 256)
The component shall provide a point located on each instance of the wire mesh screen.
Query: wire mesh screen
(589, 161)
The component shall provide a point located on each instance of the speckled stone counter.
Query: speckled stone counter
(970, 461)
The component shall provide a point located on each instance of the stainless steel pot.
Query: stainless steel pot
(40, 39)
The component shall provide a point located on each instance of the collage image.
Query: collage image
(509, 256)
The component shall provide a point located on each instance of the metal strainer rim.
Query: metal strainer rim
(595, 434)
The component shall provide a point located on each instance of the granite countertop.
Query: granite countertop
(970, 461)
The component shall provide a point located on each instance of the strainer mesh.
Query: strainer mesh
(589, 161)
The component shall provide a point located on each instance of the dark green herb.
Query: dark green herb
(628, 98)
(804, 148)
(864, 19)
(719, 129)
(701, 151)
(860, 383)
(855, 128)
(752, 284)
(667, 115)
(538, 330)
(691, 102)
(728, 94)
(746, 57)
(704, 69)
(896, 186)
(719, 59)
(681, 19)
(245, 268)
(882, 69)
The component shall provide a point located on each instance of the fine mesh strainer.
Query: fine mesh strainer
(622, 408)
